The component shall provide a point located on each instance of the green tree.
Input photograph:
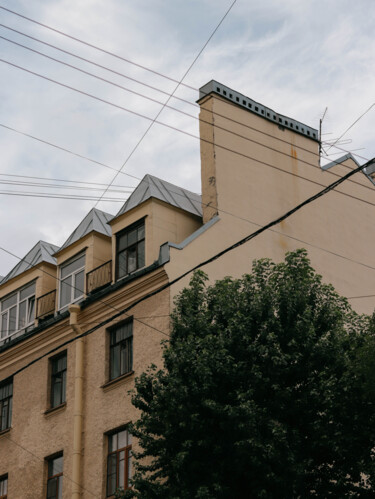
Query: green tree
(262, 392)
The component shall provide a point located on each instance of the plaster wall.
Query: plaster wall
(262, 171)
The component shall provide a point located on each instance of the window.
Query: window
(121, 350)
(130, 249)
(6, 396)
(4, 487)
(58, 380)
(119, 461)
(55, 477)
(17, 310)
(72, 279)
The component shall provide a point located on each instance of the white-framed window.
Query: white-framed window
(72, 280)
(17, 310)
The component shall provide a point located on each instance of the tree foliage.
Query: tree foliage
(264, 392)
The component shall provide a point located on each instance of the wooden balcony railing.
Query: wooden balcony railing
(46, 304)
(99, 277)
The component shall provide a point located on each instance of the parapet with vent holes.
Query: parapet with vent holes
(256, 108)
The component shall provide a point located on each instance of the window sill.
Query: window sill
(4, 432)
(54, 410)
(114, 383)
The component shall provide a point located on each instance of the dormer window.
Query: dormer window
(130, 250)
(72, 280)
(18, 310)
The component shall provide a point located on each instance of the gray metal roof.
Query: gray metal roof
(95, 220)
(257, 108)
(154, 187)
(41, 252)
(339, 161)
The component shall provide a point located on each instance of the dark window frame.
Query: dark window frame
(141, 241)
(116, 454)
(54, 379)
(6, 405)
(4, 479)
(57, 477)
(122, 349)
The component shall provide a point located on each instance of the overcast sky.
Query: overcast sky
(294, 56)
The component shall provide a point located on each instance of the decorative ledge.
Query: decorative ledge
(54, 410)
(114, 383)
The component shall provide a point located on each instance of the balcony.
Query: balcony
(45, 305)
(99, 277)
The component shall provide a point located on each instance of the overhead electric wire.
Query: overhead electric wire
(60, 186)
(182, 131)
(81, 156)
(351, 126)
(64, 180)
(104, 51)
(213, 258)
(118, 73)
(59, 196)
(180, 111)
(170, 96)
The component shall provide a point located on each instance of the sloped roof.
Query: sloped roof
(95, 220)
(41, 252)
(154, 187)
(340, 160)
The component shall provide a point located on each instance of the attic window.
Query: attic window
(72, 280)
(130, 249)
(17, 310)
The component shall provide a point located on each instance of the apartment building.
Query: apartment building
(68, 351)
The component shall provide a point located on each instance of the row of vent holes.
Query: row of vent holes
(262, 111)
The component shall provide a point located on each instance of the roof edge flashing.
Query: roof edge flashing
(213, 87)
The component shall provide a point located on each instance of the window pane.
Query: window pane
(59, 492)
(29, 290)
(122, 439)
(132, 237)
(22, 315)
(122, 264)
(132, 259)
(12, 319)
(115, 361)
(69, 268)
(57, 465)
(56, 391)
(129, 466)
(4, 325)
(111, 474)
(141, 232)
(141, 254)
(31, 313)
(52, 488)
(122, 242)
(79, 284)
(121, 470)
(65, 291)
(8, 302)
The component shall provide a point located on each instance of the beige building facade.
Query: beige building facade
(80, 322)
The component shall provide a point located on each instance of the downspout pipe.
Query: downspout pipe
(78, 404)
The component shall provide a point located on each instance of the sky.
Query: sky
(297, 58)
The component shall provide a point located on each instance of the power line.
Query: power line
(60, 186)
(218, 255)
(183, 131)
(351, 126)
(169, 98)
(63, 180)
(104, 51)
(59, 196)
(165, 105)
(81, 156)
(154, 88)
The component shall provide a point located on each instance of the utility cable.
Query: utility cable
(60, 196)
(108, 52)
(218, 255)
(181, 131)
(169, 98)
